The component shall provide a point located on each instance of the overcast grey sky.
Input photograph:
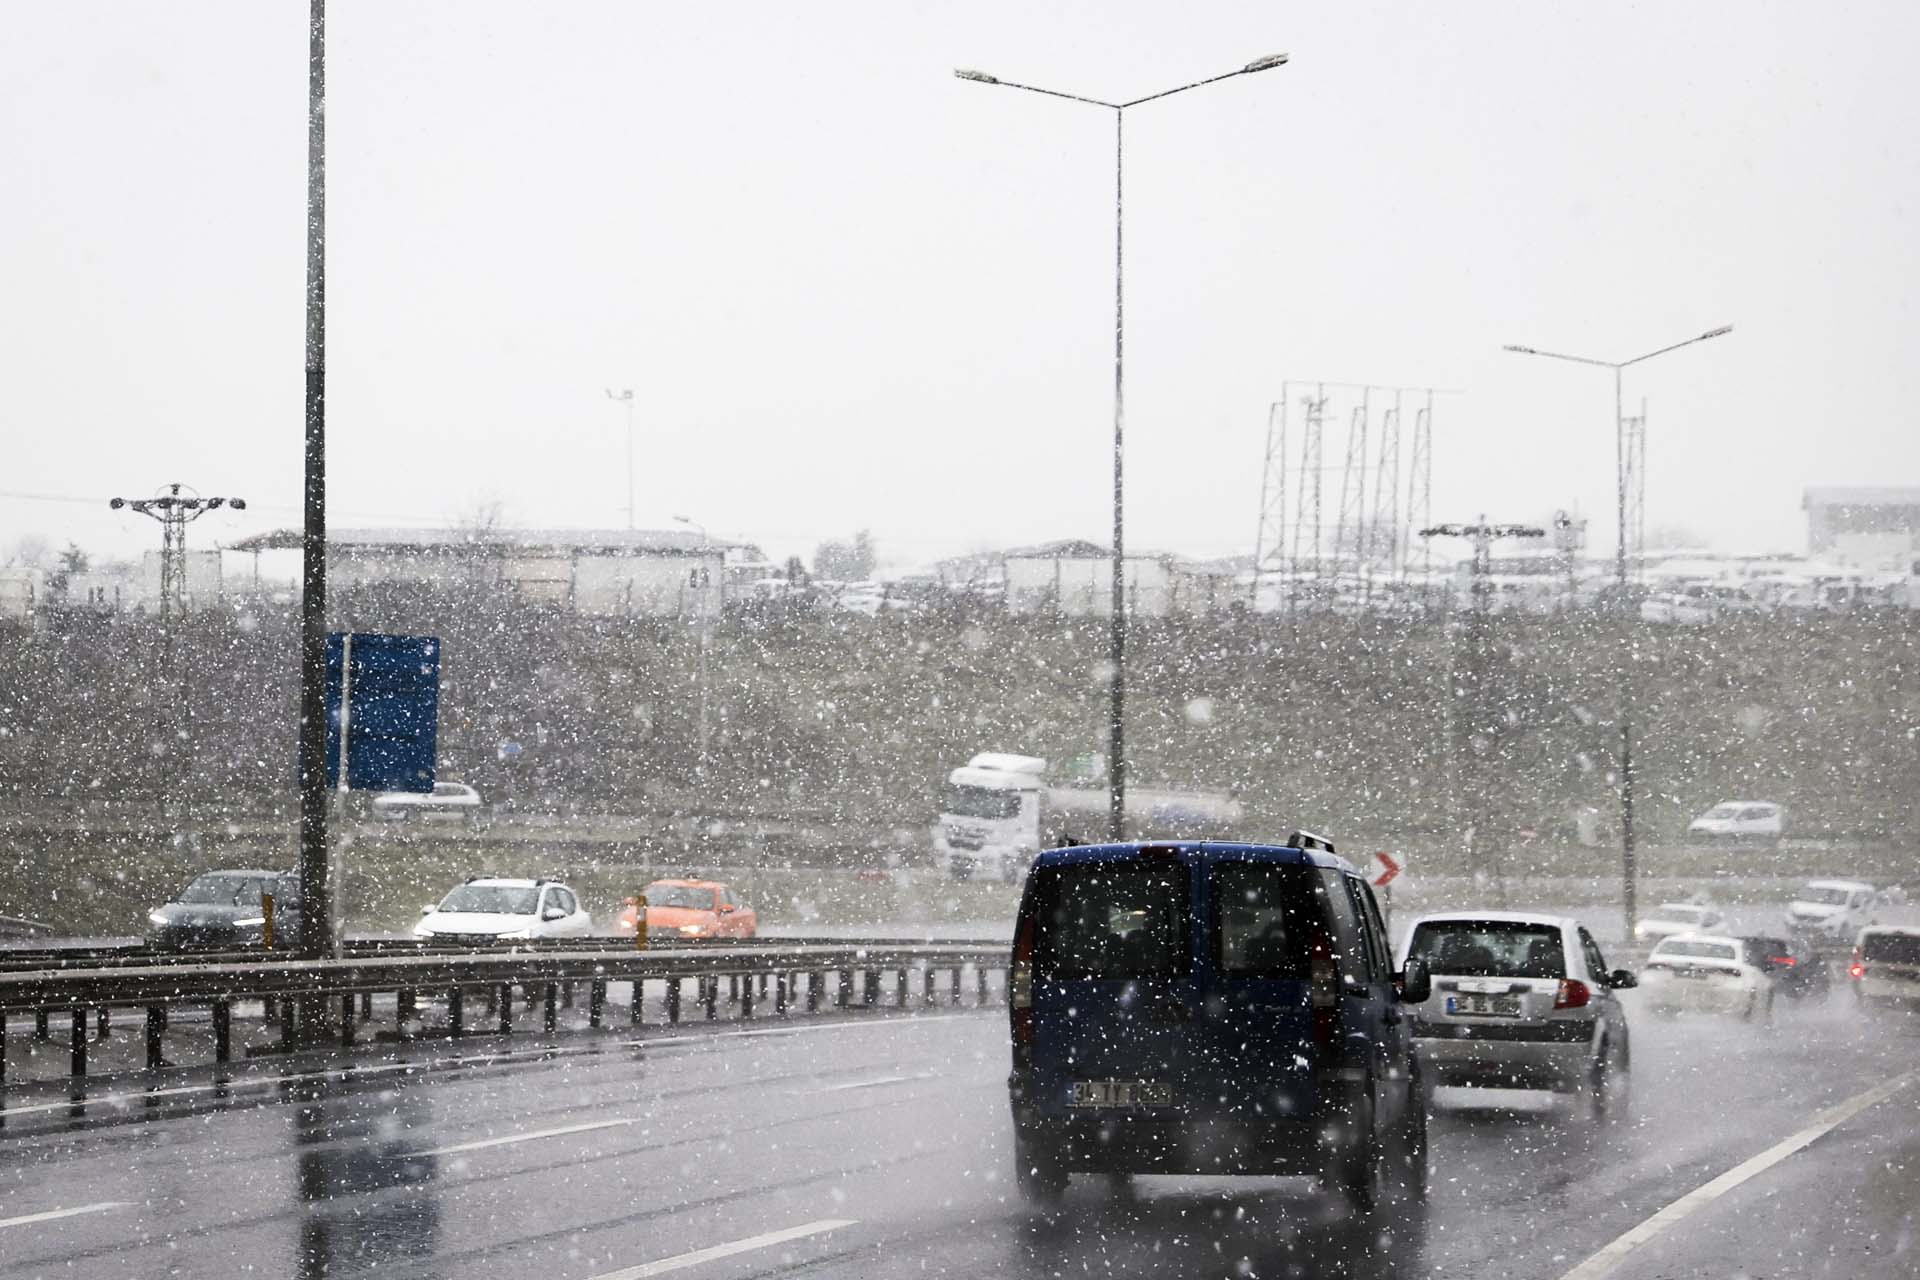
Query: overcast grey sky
(850, 290)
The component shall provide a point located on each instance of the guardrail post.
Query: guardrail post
(746, 998)
(953, 997)
(346, 1021)
(815, 981)
(566, 995)
(103, 1020)
(634, 1011)
(713, 997)
(79, 1067)
(404, 1008)
(780, 994)
(928, 996)
(673, 999)
(551, 1019)
(503, 1002)
(869, 988)
(596, 1001)
(844, 996)
(733, 988)
(156, 1023)
(980, 985)
(3, 1046)
(222, 1031)
(366, 1006)
(900, 996)
(40, 1029)
(456, 1013)
(289, 1024)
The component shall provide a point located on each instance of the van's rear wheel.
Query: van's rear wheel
(1039, 1174)
(1360, 1176)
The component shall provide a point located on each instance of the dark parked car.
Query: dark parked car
(226, 909)
(1796, 968)
(1212, 1008)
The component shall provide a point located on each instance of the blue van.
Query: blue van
(1212, 1008)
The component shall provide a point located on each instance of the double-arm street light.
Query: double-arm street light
(1116, 725)
(1623, 602)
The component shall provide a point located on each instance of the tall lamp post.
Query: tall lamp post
(626, 397)
(701, 601)
(1116, 723)
(1623, 603)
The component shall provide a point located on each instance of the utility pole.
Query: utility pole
(175, 510)
(626, 397)
(1477, 731)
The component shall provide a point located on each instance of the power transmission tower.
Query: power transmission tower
(1270, 538)
(1352, 529)
(1420, 494)
(1383, 542)
(175, 511)
(1480, 722)
(1308, 510)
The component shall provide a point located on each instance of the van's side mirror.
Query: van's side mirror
(1622, 980)
(1415, 983)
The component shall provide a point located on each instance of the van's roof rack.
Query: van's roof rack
(1308, 840)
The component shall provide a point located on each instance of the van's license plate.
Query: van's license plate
(1122, 1093)
(1496, 1006)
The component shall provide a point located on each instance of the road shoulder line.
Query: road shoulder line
(698, 1256)
(1611, 1255)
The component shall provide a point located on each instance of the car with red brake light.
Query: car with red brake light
(691, 909)
(1885, 967)
(1521, 1001)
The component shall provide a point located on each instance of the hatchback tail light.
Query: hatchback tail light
(1573, 994)
(1857, 968)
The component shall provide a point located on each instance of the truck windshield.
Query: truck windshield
(1110, 920)
(981, 802)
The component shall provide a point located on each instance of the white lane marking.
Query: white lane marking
(680, 1261)
(1609, 1258)
(874, 1083)
(74, 1212)
(422, 1064)
(507, 1140)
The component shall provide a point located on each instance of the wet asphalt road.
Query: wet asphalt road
(877, 1147)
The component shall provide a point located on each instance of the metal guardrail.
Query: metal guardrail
(341, 991)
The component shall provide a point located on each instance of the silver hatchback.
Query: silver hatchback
(1520, 1001)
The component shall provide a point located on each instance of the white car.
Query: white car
(1706, 973)
(489, 909)
(447, 802)
(1670, 918)
(1520, 1001)
(1885, 969)
(1831, 911)
(1738, 820)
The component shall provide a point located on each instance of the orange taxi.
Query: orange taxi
(691, 909)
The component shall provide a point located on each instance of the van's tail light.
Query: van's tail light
(1857, 967)
(1785, 962)
(1020, 984)
(1323, 979)
(1573, 994)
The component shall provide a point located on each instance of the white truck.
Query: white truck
(999, 811)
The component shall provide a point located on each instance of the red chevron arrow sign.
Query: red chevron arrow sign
(1382, 870)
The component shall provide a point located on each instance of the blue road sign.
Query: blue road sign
(393, 711)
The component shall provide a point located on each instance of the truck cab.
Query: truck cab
(989, 825)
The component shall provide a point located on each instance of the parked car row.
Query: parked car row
(230, 909)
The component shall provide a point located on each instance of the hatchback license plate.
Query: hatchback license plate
(1492, 1006)
(1122, 1093)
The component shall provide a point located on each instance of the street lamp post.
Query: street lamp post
(705, 587)
(1623, 604)
(626, 397)
(1117, 630)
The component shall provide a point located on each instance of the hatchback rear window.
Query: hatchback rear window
(1892, 948)
(1489, 949)
(1110, 920)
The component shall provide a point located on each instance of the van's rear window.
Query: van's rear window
(1263, 915)
(1110, 920)
(1892, 948)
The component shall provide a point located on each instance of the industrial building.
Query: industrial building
(1867, 527)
